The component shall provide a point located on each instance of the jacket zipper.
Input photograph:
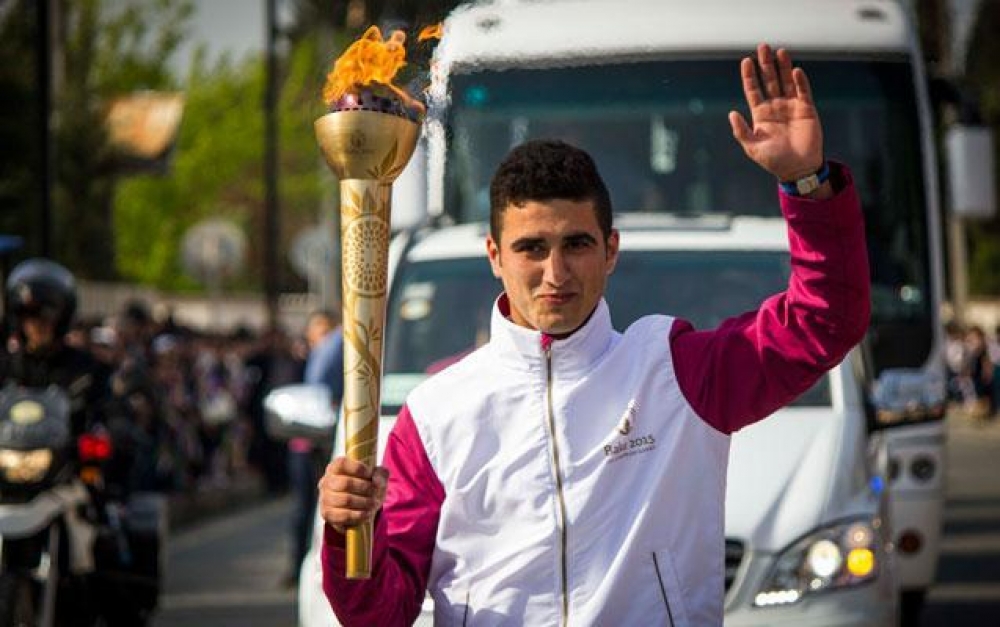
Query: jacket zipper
(663, 589)
(559, 484)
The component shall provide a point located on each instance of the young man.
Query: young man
(503, 492)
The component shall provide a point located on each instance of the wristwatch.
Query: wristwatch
(807, 184)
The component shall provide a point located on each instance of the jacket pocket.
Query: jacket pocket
(670, 590)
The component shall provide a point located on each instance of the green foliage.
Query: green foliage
(984, 72)
(135, 44)
(19, 155)
(214, 172)
(108, 225)
(217, 169)
(108, 53)
(984, 260)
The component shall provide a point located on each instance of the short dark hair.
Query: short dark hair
(547, 169)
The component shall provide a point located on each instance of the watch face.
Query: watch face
(807, 184)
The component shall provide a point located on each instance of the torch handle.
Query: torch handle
(364, 227)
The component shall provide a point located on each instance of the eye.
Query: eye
(532, 248)
(579, 243)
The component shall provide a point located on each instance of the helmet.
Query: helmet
(41, 287)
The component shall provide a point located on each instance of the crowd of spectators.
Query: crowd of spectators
(973, 362)
(194, 398)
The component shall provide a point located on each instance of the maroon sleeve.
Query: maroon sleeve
(405, 533)
(753, 364)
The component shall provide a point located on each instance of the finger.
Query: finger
(348, 485)
(768, 72)
(341, 519)
(785, 73)
(350, 467)
(751, 88)
(802, 88)
(741, 130)
(347, 501)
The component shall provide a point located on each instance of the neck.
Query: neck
(38, 346)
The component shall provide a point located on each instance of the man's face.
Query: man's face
(316, 330)
(553, 261)
(39, 331)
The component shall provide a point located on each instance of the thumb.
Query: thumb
(380, 477)
(741, 130)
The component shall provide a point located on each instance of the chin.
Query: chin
(559, 327)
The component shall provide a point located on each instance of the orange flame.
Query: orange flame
(368, 60)
(434, 31)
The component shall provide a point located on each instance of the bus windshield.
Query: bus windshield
(439, 311)
(659, 133)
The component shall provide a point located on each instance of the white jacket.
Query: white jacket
(579, 471)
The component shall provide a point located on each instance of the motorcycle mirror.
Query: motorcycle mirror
(301, 411)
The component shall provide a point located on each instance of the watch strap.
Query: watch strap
(807, 184)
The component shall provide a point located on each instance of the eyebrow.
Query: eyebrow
(572, 238)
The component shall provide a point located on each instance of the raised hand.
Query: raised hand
(786, 138)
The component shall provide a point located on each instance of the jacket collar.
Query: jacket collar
(524, 349)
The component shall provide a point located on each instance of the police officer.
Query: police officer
(40, 299)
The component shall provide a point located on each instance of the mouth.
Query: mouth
(555, 300)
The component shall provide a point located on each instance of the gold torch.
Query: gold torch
(367, 139)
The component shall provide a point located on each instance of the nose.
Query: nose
(557, 270)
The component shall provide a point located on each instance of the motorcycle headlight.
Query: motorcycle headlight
(25, 466)
(839, 556)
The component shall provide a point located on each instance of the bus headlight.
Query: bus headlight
(25, 466)
(839, 556)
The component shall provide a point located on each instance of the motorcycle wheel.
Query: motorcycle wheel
(17, 601)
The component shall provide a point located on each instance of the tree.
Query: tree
(218, 160)
(108, 53)
(19, 155)
(983, 72)
(217, 169)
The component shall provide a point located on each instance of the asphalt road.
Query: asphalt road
(228, 572)
(967, 592)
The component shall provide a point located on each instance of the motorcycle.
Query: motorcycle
(69, 554)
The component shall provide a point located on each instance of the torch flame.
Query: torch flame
(368, 60)
(434, 31)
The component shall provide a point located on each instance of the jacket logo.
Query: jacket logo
(628, 420)
(628, 445)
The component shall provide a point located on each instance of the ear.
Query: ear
(612, 254)
(493, 252)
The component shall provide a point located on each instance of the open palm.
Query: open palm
(786, 138)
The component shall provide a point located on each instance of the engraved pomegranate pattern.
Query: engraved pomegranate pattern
(364, 261)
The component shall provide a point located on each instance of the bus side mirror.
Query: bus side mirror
(907, 395)
(971, 178)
